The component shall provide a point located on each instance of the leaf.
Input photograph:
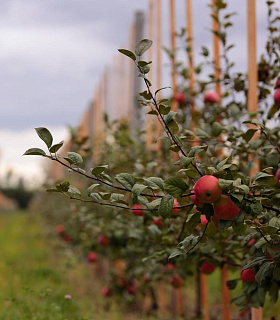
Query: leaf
(224, 224)
(175, 253)
(255, 262)
(155, 183)
(63, 187)
(73, 190)
(154, 112)
(105, 195)
(163, 109)
(56, 147)
(248, 135)
(217, 129)
(95, 196)
(125, 179)
(185, 161)
(225, 185)
(35, 152)
(99, 169)
(90, 188)
(196, 150)
(45, 135)
(128, 53)
(75, 158)
(157, 91)
(275, 222)
(166, 206)
(169, 117)
(153, 205)
(232, 284)
(137, 189)
(142, 46)
(175, 186)
(263, 270)
(222, 163)
(256, 207)
(192, 221)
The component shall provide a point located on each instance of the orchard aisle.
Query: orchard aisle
(34, 279)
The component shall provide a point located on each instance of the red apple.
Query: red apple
(180, 98)
(137, 210)
(251, 242)
(225, 208)
(59, 229)
(66, 238)
(248, 275)
(176, 281)
(268, 254)
(146, 279)
(207, 267)
(276, 97)
(158, 222)
(176, 204)
(102, 240)
(196, 201)
(203, 219)
(105, 292)
(277, 177)
(132, 287)
(277, 84)
(211, 97)
(169, 266)
(92, 257)
(207, 189)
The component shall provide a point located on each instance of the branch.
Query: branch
(273, 243)
(264, 205)
(200, 238)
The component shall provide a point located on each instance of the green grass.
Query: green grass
(35, 276)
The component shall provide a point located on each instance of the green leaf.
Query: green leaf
(74, 191)
(255, 262)
(208, 210)
(157, 91)
(225, 185)
(232, 284)
(248, 135)
(105, 195)
(192, 221)
(217, 129)
(155, 183)
(263, 178)
(169, 117)
(222, 163)
(275, 222)
(128, 53)
(163, 109)
(142, 46)
(95, 196)
(63, 187)
(34, 152)
(137, 189)
(75, 158)
(263, 270)
(256, 207)
(56, 147)
(154, 112)
(99, 169)
(90, 188)
(175, 253)
(196, 150)
(153, 205)
(45, 135)
(175, 186)
(186, 161)
(224, 224)
(166, 206)
(125, 179)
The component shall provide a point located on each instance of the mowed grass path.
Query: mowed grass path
(34, 281)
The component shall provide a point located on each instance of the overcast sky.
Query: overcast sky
(54, 51)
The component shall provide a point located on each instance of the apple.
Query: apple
(180, 98)
(196, 201)
(207, 189)
(92, 257)
(158, 222)
(59, 229)
(268, 254)
(146, 279)
(132, 287)
(169, 266)
(248, 275)
(137, 210)
(66, 238)
(207, 267)
(277, 84)
(176, 281)
(176, 204)
(211, 97)
(105, 292)
(225, 208)
(277, 177)
(203, 219)
(276, 97)
(251, 242)
(103, 240)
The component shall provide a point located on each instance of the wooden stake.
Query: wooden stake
(159, 66)
(190, 44)
(173, 47)
(179, 301)
(161, 298)
(130, 74)
(216, 50)
(225, 293)
(149, 123)
(204, 295)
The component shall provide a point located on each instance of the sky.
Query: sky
(54, 52)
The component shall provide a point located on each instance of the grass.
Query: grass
(36, 272)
